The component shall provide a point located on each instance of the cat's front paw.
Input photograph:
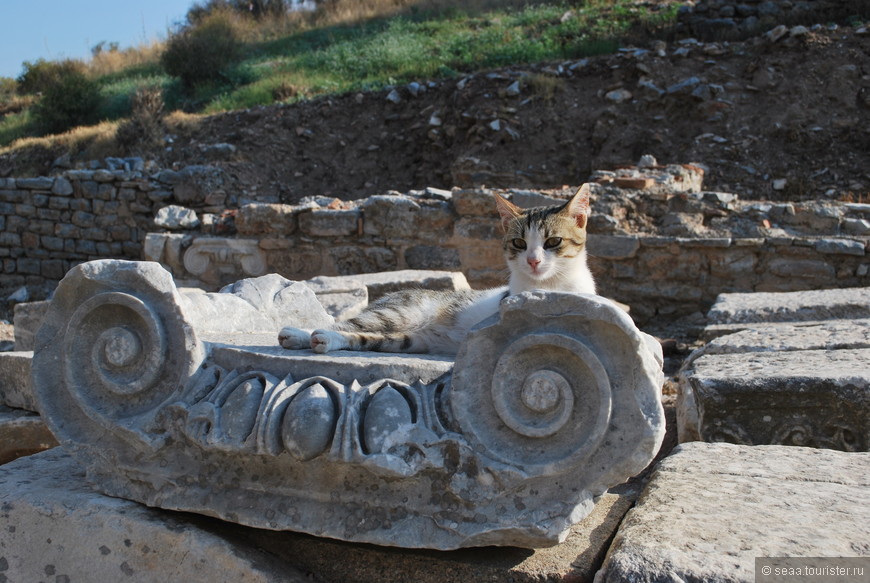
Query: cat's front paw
(294, 338)
(327, 341)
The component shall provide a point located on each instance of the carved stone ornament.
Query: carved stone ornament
(547, 405)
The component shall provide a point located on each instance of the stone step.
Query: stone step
(818, 398)
(710, 510)
(785, 336)
(828, 304)
(55, 523)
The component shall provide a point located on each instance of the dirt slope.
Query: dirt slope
(797, 108)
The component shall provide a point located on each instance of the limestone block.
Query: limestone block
(826, 304)
(379, 284)
(550, 402)
(613, 246)
(16, 389)
(56, 528)
(28, 318)
(329, 222)
(818, 398)
(777, 336)
(22, 433)
(710, 509)
(343, 297)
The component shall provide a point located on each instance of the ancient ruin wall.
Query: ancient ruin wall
(664, 253)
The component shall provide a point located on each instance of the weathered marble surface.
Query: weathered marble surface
(827, 304)
(549, 403)
(16, 388)
(56, 528)
(784, 374)
(710, 509)
(818, 398)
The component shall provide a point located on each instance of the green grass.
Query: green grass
(416, 45)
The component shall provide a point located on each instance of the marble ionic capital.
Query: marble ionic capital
(547, 405)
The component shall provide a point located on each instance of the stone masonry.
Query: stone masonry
(658, 241)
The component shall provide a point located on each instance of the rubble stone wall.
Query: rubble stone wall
(664, 253)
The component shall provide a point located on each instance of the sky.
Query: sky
(60, 29)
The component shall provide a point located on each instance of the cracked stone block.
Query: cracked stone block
(817, 398)
(710, 509)
(16, 388)
(382, 283)
(28, 318)
(56, 527)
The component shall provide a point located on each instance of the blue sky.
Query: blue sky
(60, 29)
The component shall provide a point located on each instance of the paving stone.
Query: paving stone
(55, 525)
(22, 433)
(16, 388)
(818, 398)
(710, 509)
(791, 306)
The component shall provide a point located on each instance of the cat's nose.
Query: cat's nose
(533, 262)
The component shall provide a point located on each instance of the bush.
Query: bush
(72, 100)
(202, 53)
(144, 130)
(41, 75)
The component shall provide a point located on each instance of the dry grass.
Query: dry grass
(96, 141)
(113, 61)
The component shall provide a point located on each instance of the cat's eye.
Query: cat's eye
(519, 243)
(552, 242)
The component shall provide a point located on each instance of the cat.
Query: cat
(545, 249)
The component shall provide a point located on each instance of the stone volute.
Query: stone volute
(183, 400)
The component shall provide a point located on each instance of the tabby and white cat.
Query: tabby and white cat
(545, 249)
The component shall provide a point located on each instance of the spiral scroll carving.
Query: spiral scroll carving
(116, 347)
(550, 399)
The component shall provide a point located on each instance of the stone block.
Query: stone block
(266, 219)
(783, 336)
(38, 183)
(840, 247)
(55, 527)
(329, 222)
(475, 202)
(27, 317)
(379, 284)
(710, 509)
(432, 257)
(613, 246)
(829, 304)
(16, 388)
(343, 297)
(22, 433)
(816, 398)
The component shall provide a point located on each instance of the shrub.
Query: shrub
(202, 53)
(41, 75)
(144, 129)
(70, 101)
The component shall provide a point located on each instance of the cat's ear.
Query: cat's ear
(578, 207)
(507, 210)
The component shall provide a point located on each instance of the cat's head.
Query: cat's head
(540, 243)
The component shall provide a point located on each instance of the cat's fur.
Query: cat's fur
(545, 249)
